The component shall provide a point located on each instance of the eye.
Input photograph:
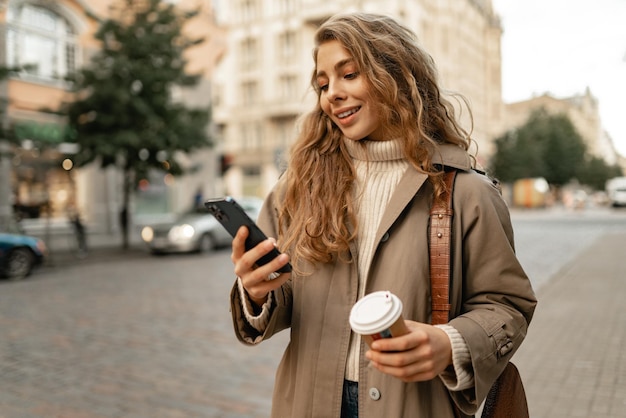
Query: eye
(322, 83)
(351, 76)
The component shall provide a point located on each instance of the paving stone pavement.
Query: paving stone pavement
(573, 361)
(128, 335)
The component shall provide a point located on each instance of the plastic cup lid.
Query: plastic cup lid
(375, 312)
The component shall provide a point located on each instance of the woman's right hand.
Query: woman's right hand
(255, 278)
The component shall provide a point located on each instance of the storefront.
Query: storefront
(42, 177)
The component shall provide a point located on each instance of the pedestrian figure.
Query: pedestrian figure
(351, 214)
(197, 198)
(79, 231)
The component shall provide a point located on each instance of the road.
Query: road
(142, 337)
(546, 241)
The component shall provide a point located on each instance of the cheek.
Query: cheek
(325, 106)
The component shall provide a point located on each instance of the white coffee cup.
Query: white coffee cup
(378, 315)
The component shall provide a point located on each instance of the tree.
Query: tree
(595, 173)
(545, 146)
(517, 156)
(565, 150)
(123, 112)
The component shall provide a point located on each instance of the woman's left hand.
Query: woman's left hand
(422, 354)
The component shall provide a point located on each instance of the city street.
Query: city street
(131, 335)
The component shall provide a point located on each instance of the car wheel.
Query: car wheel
(19, 264)
(206, 244)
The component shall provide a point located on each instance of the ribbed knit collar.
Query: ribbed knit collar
(375, 150)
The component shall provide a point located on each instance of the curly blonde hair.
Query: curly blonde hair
(317, 219)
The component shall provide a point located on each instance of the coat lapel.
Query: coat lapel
(413, 180)
(409, 184)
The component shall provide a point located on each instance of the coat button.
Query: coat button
(385, 237)
(374, 394)
(505, 348)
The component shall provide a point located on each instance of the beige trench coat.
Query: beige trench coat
(491, 296)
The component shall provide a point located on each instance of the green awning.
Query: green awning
(45, 133)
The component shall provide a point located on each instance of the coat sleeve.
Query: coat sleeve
(495, 302)
(280, 311)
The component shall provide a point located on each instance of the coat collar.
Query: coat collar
(453, 156)
(448, 155)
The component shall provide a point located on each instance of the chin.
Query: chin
(356, 138)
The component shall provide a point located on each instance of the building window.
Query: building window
(251, 134)
(248, 10)
(249, 54)
(250, 92)
(286, 6)
(285, 133)
(287, 86)
(287, 46)
(40, 40)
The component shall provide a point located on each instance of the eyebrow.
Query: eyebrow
(337, 66)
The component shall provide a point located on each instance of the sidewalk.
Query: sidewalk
(573, 361)
(101, 246)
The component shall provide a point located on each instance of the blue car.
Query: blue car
(19, 253)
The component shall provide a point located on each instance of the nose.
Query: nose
(335, 92)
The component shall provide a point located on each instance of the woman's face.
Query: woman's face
(345, 94)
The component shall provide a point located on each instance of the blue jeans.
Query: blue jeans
(350, 400)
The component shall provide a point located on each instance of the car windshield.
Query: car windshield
(191, 214)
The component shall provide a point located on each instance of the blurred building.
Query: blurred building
(261, 85)
(582, 110)
(258, 90)
(54, 38)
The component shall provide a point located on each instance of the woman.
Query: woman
(351, 214)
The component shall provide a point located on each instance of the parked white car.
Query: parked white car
(616, 189)
(194, 231)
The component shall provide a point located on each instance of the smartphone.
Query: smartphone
(232, 216)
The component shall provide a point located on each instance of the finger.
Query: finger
(408, 374)
(429, 357)
(406, 368)
(251, 256)
(402, 343)
(259, 286)
(276, 264)
(269, 271)
(239, 244)
(394, 359)
(250, 273)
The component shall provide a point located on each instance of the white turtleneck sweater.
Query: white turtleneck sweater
(379, 167)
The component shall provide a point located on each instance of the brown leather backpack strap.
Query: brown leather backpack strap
(506, 398)
(440, 243)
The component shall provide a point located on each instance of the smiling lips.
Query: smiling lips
(347, 113)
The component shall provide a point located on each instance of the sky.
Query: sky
(561, 47)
